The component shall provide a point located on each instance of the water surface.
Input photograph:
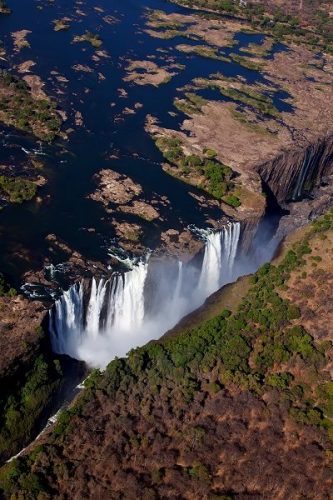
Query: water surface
(70, 165)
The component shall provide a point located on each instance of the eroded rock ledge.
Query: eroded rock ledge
(293, 174)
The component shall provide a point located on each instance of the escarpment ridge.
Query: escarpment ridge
(294, 174)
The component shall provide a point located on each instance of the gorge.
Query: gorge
(99, 320)
(164, 287)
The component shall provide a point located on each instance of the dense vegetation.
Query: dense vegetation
(205, 172)
(23, 401)
(20, 109)
(262, 350)
(17, 189)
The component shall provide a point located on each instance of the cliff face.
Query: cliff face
(20, 326)
(294, 174)
(249, 229)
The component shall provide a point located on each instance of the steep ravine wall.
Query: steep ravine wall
(297, 188)
(296, 173)
(249, 228)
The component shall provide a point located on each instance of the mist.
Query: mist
(97, 321)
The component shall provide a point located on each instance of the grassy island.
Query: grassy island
(20, 109)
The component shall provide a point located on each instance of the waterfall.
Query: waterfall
(178, 288)
(127, 308)
(95, 306)
(301, 178)
(211, 268)
(219, 258)
(120, 299)
(115, 318)
(310, 158)
(66, 320)
(176, 302)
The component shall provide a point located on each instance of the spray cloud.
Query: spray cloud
(140, 305)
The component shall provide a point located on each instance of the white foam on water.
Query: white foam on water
(116, 317)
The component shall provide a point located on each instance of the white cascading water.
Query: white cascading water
(306, 170)
(95, 306)
(78, 334)
(128, 308)
(66, 321)
(219, 259)
(116, 318)
(178, 288)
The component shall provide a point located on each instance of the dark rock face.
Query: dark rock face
(297, 183)
(249, 228)
(295, 174)
(302, 212)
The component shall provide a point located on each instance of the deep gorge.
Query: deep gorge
(295, 174)
(114, 300)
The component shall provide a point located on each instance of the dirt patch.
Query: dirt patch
(114, 187)
(147, 73)
(20, 40)
(36, 86)
(25, 67)
(311, 288)
(216, 32)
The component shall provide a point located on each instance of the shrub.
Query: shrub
(17, 189)
(232, 200)
(279, 380)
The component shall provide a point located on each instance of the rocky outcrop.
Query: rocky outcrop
(119, 193)
(304, 211)
(294, 174)
(19, 323)
(114, 188)
(180, 244)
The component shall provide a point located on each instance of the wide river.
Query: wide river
(70, 165)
